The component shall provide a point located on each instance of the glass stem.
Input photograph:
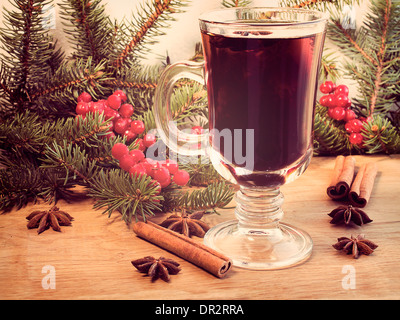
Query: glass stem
(259, 210)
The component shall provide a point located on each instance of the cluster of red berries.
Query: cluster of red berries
(162, 172)
(337, 100)
(115, 107)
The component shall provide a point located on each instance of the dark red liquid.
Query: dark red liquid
(264, 84)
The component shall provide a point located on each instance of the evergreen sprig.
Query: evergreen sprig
(374, 56)
(133, 196)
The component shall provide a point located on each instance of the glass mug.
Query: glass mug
(261, 69)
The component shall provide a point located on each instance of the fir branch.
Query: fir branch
(89, 30)
(117, 190)
(216, 195)
(151, 17)
(329, 138)
(381, 136)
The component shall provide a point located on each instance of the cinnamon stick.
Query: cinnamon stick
(363, 184)
(342, 177)
(196, 253)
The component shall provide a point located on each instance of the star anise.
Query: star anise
(355, 245)
(188, 225)
(157, 268)
(44, 219)
(349, 214)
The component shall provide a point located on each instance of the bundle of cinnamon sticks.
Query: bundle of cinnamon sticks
(346, 185)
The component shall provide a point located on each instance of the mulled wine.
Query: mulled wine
(255, 81)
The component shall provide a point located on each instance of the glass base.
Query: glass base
(276, 248)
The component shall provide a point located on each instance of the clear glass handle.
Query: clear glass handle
(177, 140)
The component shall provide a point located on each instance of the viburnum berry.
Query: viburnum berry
(342, 89)
(137, 170)
(337, 113)
(110, 113)
(181, 177)
(325, 100)
(350, 115)
(114, 102)
(137, 155)
(121, 125)
(171, 165)
(120, 94)
(126, 162)
(139, 144)
(356, 138)
(84, 97)
(97, 106)
(126, 110)
(354, 125)
(82, 107)
(327, 87)
(197, 130)
(119, 150)
(150, 165)
(129, 135)
(137, 126)
(161, 174)
(149, 139)
(342, 100)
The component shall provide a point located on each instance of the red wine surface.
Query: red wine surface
(267, 85)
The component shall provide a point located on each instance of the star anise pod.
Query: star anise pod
(157, 268)
(349, 214)
(188, 225)
(44, 219)
(355, 245)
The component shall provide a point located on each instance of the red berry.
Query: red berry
(355, 125)
(324, 101)
(137, 169)
(342, 89)
(356, 138)
(149, 139)
(84, 97)
(197, 130)
(114, 102)
(126, 110)
(120, 94)
(181, 177)
(110, 113)
(161, 174)
(342, 100)
(165, 183)
(137, 126)
(350, 115)
(137, 155)
(126, 162)
(150, 165)
(121, 125)
(171, 165)
(139, 145)
(129, 135)
(326, 87)
(338, 113)
(119, 150)
(82, 107)
(98, 106)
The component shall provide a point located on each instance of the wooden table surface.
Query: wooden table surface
(91, 259)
